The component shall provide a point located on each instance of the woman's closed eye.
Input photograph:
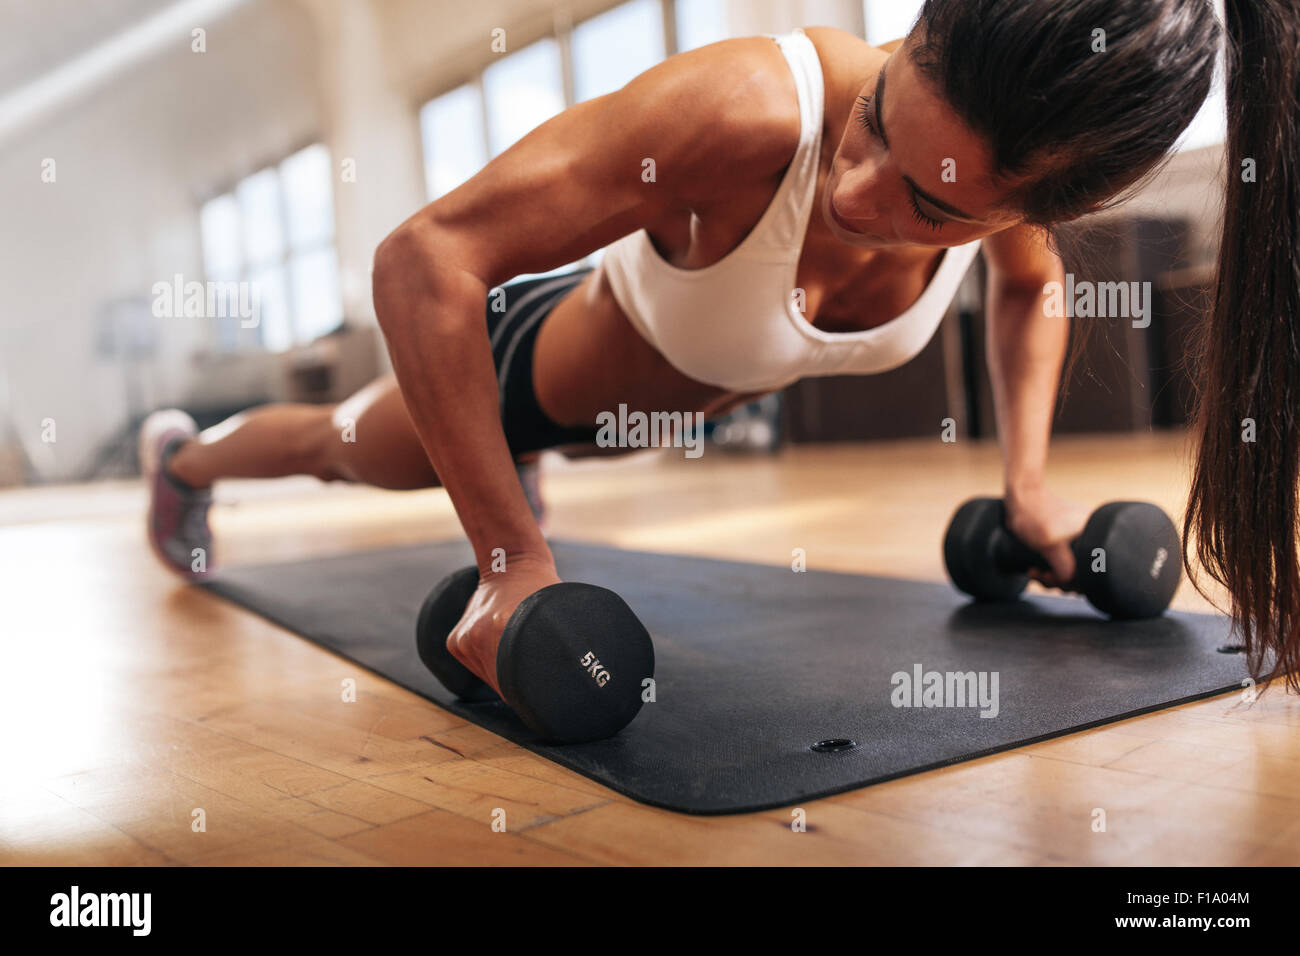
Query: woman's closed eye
(866, 107)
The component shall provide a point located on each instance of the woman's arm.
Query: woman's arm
(573, 185)
(1025, 352)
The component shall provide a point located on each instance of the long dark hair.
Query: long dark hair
(1242, 508)
(1073, 129)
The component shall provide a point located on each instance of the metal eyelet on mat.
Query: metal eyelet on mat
(833, 745)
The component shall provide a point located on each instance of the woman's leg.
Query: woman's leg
(367, 438)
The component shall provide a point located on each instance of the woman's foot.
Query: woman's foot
(178, 513)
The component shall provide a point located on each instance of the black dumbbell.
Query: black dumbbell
(1143, 557)
(571, 660)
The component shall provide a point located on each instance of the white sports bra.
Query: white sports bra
(736, 324)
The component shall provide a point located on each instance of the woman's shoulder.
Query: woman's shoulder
(745, 90)
(838, 42)
(730, 106)
(844, 55)
(760, 59)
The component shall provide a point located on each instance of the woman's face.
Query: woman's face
(908, 171)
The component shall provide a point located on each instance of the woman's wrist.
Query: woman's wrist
(1022, 485)
(531, 559)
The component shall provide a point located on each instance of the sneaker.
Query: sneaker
(178, 513)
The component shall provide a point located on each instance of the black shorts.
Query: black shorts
(513, 320)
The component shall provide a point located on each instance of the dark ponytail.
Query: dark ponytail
(1242, 509)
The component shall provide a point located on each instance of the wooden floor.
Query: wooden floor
(130, 699)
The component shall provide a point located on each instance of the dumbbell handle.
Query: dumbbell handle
(1013, 555)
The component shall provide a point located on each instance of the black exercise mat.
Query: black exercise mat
(755, 664)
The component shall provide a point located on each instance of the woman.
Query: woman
(772, 210)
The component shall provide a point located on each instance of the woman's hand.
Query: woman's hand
(1047, 523)
(473, 641)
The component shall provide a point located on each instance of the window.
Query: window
(223, 259)
(700, 22)
(889, 19)
(219, 224)
(614, 47)
(275, 231)
(455, 143)
(1211, 124)
(313, 261)
(522, 91)
(518, 91)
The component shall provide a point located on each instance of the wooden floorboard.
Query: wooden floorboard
(133, 701)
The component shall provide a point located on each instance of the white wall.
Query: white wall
(133, 161)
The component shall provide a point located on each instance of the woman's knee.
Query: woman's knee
(314, 443)
(371, 440)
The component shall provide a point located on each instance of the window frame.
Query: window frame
(560, 30)
(288, 252)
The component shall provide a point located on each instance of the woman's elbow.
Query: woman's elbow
(414, 279)
(401, 260)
